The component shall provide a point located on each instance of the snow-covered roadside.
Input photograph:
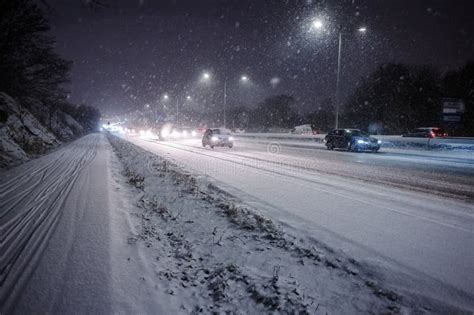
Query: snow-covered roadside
(213, 253)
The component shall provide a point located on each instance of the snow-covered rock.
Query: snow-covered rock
(21, 134)
(61, 124)
(10, 152)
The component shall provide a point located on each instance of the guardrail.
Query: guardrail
(388, 141)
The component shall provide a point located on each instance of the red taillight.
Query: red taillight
(432, 135)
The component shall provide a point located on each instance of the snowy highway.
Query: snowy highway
(408, 212)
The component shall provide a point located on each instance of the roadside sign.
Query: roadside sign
(453, 110)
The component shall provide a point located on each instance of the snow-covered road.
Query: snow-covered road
(63, 238)
(408, 215)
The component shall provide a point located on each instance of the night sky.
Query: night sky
(131, 53)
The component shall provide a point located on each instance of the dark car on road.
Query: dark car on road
(351, 140)
(217, 137)
(426, 132)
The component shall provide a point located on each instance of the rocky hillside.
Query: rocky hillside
(26, 133)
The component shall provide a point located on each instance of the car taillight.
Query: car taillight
(432, 135)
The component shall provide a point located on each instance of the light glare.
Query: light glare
(317, 24)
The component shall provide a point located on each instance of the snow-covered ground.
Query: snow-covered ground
(214, 254)
(163, 228)
(64, 220)
(419, 242)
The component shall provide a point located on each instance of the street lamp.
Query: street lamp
(167, 97)
(244, 79)
(317, 24)
(206, 76)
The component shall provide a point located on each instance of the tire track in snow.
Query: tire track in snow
(454, 189)
(30, 207)
(287, 173)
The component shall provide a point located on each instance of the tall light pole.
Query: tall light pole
(244, 79)
(166, 98)
(318, 24)
(188, 98)
(338, 78)
(206, 77)
(225, 100)
(177, 110)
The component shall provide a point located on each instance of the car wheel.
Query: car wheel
(203, 144)
(230, 146)
(212, 147)
(375, 150)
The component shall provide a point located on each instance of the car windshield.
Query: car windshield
(214, 157)
(358, 133)
(221, 132)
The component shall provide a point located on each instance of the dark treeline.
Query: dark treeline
(394, 99)
(31, 71)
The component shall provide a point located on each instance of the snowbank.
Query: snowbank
(21, 134)
(212, 253)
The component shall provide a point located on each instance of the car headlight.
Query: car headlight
(231, 138)
(185, 133)
(165, 132)
(360, 141)
(193, 133)
(214, 138)
(379, 141)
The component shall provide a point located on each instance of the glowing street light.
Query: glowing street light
(166, 96)
(244, 79)
(317, 24)
(362, 29)
(206, 76)
(188, 97)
